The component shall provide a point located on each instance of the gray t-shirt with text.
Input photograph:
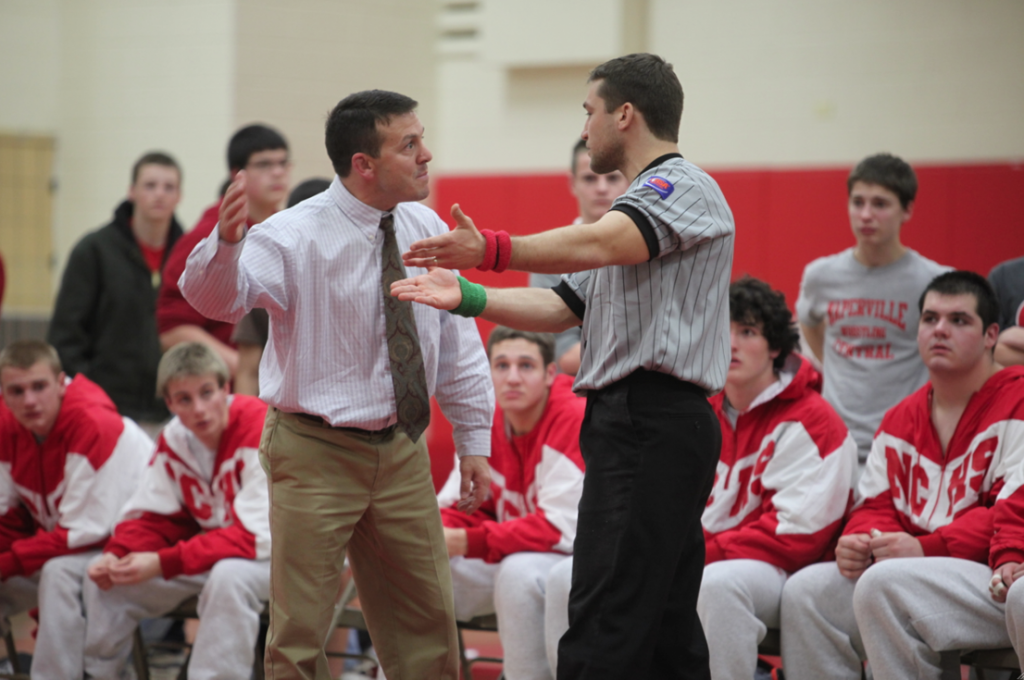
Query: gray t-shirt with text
(870, 314)
(1007, 278)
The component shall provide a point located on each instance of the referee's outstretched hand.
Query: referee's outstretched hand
(439, 288)
(461, 248)
(234, 210)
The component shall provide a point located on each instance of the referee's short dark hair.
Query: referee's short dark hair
(754, 303)
(253, 139)
(647, 82)
(886, 170)
(962, 282)
(352, 125)
(545, 341)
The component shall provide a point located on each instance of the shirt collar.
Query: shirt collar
(769, 393)
(659, 160)
(366, 218)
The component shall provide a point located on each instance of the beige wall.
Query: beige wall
(510, 96)
(109, 80)
(30, 54)
(297, 59)
(779, 83)
(138, 75)
(806, 82)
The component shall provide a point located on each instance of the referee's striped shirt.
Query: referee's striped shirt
(671, 313)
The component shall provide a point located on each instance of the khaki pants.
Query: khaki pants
(332, 489)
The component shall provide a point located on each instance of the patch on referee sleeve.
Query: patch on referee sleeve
(661, 185)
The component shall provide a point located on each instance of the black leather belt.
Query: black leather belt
(318, 420)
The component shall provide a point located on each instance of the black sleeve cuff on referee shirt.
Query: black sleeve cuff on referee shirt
(571, 300)
(643, 224)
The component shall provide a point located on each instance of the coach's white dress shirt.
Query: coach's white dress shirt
(316, 269)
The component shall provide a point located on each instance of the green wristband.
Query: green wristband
(474, 299)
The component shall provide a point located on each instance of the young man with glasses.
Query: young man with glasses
(263, 153)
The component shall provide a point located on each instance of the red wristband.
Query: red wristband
(504, 251)
(490, 251)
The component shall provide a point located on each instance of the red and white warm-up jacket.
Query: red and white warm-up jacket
(63, 495)
(784, 478)
(193, 522)
(536, 483)
(945, 501)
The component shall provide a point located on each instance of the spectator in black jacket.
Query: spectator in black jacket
(104, 321)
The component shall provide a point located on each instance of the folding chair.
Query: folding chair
(17, 672)
(991, 659)
(348, 616)
(487, 623)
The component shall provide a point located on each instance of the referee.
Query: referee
(651, 293)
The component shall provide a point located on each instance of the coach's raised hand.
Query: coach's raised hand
(461, 248)
(233, 210)
(439, 288)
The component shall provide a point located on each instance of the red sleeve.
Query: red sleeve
(28, 555)
(967, 537)
(15, 524)
(492, 541)
(1007, 543)
(712, 551)
(877, 512)
(180, 542)
(199, 553)
(172, 309)
(151, 532)
(453, 518)
(790, 552)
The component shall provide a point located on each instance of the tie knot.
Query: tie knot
(387, 222)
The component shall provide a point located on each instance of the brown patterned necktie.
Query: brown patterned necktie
(407, 373)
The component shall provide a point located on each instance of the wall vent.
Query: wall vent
(458, 23)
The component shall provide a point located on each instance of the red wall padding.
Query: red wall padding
(967, 216)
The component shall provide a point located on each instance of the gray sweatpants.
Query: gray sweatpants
(556, 609)
(231, 597)
(514, 589)
(57, 590)
(911, 610)
(820, 638)
(739, 601)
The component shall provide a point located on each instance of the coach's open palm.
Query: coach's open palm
(439, 288)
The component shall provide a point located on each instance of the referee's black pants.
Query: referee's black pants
(651, 444)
